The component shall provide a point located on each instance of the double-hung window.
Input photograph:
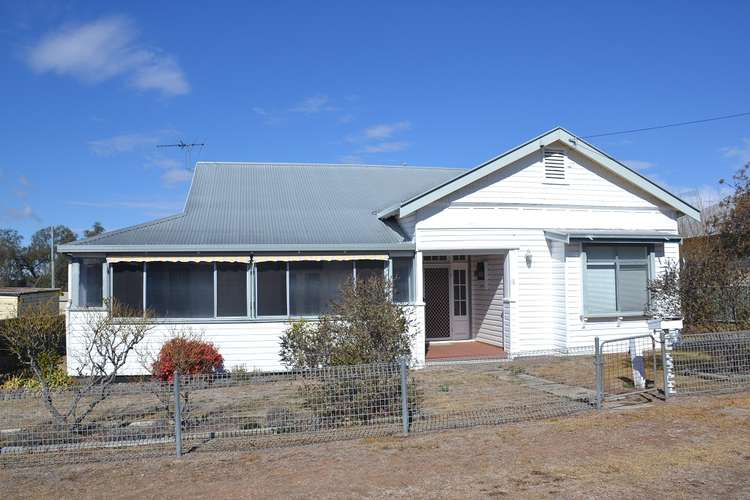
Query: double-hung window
(615, 280)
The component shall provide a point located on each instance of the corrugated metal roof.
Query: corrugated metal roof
(252, 206)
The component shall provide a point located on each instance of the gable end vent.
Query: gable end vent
(554, 164)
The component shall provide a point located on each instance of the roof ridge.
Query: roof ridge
(316, 165)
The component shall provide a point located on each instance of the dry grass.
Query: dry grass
(688, 448)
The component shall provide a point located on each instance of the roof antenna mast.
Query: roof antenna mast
(187, 148)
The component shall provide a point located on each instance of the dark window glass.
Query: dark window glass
(127, 285)
(180, 290)
(314, 285)
(231, 290)
(90, 283)
(402, 278)
(366, 269)
(271, 288)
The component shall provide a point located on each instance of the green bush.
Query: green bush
(53, 372)
(363, 327)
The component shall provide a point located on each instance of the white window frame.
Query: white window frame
(648, 260)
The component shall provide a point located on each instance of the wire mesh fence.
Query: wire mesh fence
(247, 410)
(627, 366)
(708, 362)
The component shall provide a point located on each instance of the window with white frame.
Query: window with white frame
(403, 279)
(90, 283)
(231, 290)
(615, 280)
(127, 285)
(223, 290)
(270, 287)
(180, 289)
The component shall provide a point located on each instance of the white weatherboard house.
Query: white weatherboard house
(542, 248)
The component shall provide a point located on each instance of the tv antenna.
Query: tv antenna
(187, 147)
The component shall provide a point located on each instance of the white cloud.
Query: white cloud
(386, 147)
(142, 204)
(127, 143)
(703, 196)
(347, 118)
(313, 104)
(385, 130)
(23, 213)
(105, 49)
(174, 176)
(351, 159)
(640, 165)
(740, 152)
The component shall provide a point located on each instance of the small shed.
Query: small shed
(14, 299)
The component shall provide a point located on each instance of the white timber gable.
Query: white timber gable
(509, 211)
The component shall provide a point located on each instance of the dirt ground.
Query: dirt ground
(686, 448)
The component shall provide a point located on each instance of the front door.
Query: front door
(459, 300)
(437, 303)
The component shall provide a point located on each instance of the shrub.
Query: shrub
(364, 326)
(51, 369)
(189, 356)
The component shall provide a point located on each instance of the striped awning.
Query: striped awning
(317, 258)
(240, 259)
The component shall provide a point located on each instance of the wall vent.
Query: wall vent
(554, 165)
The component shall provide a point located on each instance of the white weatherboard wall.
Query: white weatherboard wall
(487, 300)
(253, 345)
(509, 211)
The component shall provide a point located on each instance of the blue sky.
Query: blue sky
(89, 89)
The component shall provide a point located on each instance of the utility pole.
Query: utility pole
(52, 256)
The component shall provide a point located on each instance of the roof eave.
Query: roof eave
(329, 247)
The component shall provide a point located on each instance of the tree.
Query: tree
(95, 230)
(103, 350)
(734, 222)
(35, 258)
(10, 258)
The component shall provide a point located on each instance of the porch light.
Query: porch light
(528, 258)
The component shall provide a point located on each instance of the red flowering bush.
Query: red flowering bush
(189, 356)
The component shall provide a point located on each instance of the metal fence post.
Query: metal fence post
(177, 416)
(665, 368)
(404, 369)
(599, 373)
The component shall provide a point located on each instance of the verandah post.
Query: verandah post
(404, 370)
(598, 362)
(177, 416)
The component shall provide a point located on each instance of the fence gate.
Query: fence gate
(627, 366)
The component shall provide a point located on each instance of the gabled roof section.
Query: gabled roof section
(272, 207)
(433, 194)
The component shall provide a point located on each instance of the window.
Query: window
(231, 290)
(271, 288)
(459, 292)
(554, 165)
(127, 285)
(616, 279)
(366, 269)
(314, 285)
(90, 283)
(180, 290)
(402, 279)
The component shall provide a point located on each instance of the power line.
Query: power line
(668, 125)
